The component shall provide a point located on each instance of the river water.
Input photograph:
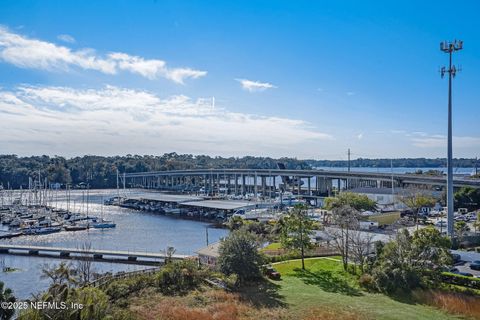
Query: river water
(135, 231)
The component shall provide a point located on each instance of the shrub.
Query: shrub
(460, 280)
(121, 288)
(367, 282)
(179, 277)
(239, 255)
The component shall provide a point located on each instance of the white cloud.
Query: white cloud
(36, 54)
(66, 38)
(113, 120)
(360, 136)
(440, 141)
(253, 86)
(350, 93)
(179, 74)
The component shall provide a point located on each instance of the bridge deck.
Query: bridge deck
(330, 174)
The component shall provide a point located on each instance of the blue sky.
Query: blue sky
(305, 79)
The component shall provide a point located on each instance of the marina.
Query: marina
(135, 231)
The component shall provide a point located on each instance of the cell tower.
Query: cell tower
(450, 47)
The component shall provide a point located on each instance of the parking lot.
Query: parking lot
(467, 257)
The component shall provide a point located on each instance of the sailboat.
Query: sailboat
(103, 224)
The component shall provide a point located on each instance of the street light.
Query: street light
(450, 47)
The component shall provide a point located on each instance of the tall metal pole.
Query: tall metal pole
(450, 211)
(449, 48)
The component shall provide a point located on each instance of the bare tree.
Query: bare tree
(84, 267)
(169, 252)
(346, 218)
(361, 245)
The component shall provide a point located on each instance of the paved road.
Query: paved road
(467, 256)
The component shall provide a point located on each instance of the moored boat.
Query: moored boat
(78, 227)
(104, 224)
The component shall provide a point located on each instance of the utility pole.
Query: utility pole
(450, 47)
(348, 159)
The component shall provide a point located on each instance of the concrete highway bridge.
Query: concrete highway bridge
(268, 181)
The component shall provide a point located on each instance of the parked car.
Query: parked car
(271, 273)
(475, 265)
(456, 258)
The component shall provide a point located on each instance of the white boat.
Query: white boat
(103, 224)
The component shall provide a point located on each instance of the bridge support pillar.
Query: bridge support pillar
(210, 187)
(274, 185)
(236, 184)
(243, 185)
(264, 186)
(255, 189)
(299, 184)
(309, 186)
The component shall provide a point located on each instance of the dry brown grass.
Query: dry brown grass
(220, 305)
(208, 305)
(451, 302)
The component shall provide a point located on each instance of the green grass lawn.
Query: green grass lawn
(324, 283)
(273, 246)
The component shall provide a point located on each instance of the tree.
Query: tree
(169, 252)
(238, 254)
(62, 281)
(415, 200)
(296, 231)
(361, 244)
(461, 227)
(476, 223)
(63, 290)
(6, 295)
(235, 223)
(412, 261)
(354, 200)
(84, 267)
(346, 218)
(467, 197)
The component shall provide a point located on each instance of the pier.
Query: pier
(130, 257)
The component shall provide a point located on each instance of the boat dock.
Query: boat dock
(189, 206)
(131, 257)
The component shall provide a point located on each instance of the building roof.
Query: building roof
(165, 197)
(211, 250)
(366, 190)
(221, 204)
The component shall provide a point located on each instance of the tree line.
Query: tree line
(100, 171)
(398, 163)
